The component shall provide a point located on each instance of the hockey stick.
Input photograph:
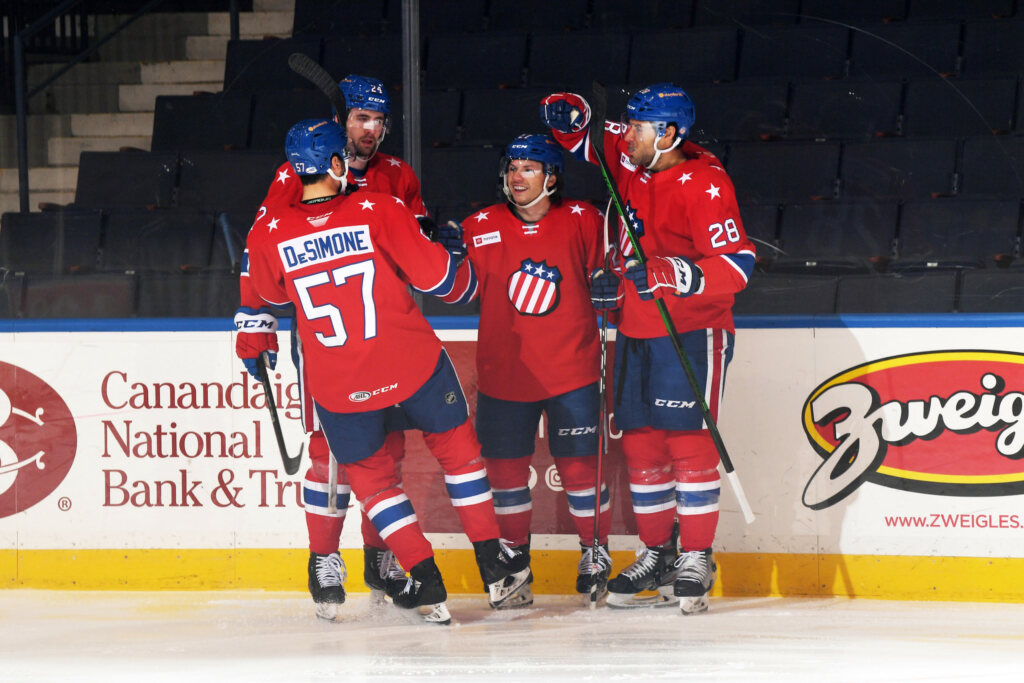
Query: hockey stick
(304, 66)
(291, 465)
(599, 105)
(602, 427)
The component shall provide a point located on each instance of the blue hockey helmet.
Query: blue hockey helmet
(311, 143)
(662, 104)
(541, 148)
(363, 92)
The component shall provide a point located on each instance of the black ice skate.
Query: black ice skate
(506, 573)
(382, 574)
(696, 574)
(648, 581)
(423, 596)
(592, 574)
(326, 576)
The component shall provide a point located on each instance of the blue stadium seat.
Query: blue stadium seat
(960, 107)
(207, 294)
(804, 51)
(573, 61)
(475, 60)
(92, 295)
(255, 65)
(190, 122)
(991, 291)
(171, 240)
(846, 109)
(993, 47)
(746, 12)
(783, 172)
(862, 12)
(698, 55)
(787, 294)
(51, 241)
(836, 237)
(958, 233)
(126, 179)
(933, 292)
(742, 110)
(901, 49)
(224, 181)
(992, 166)
(895, 168)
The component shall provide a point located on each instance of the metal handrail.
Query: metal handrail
(22, 94)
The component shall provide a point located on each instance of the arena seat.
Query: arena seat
(783, 172)
(746, 12)
(836, 237)
(933, 292)
(276, 111)
(900, 50)
(475, 60)
(379, 56)
(804, 51)
(195, 122)
(255, 65)
(223, 181)
(992, 166)
(126, 179)
(742, 110)
(960, 107)
(92, 295)
(993, 46)
(774, 294)
(495, 116)
(538, 15)
(573, 61)
(615, 15)
(847, 109)
(860, 12)
(894, 168)
(958, 9)
(206, 294)
(460, 176)
(991, 291)
(958, 232)
(697, 55)
(339, 17)
(50, 241)
(168, 240)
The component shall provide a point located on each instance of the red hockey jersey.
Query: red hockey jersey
(345, 264)
(688, 210)
(538, 332)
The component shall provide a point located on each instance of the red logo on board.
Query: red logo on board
(38, 439)
(947, 423)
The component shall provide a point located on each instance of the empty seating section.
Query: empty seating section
(882, 137)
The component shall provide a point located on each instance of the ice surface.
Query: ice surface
(255, 636)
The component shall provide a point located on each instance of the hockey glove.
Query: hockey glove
(449, 236)
(665, 274)
(565, 112)
(605, 289)
(428, 227)
(257, 332)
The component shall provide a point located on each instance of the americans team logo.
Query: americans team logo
(533, 289)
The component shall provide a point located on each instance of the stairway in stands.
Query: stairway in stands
(108, 104)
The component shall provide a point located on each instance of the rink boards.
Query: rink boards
(882, 457)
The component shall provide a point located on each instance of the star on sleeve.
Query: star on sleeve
(272, 225)
(712, 191)
(395, 162)
(366, 204)
(684, 177)
(283, 176)
(482, 216)
(577, 209)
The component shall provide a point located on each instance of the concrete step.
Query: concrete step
(85, 73)
(75, 99)
(65, 151)
(191, 71)
(273, 5)
(40, 128)
(143, 97)
(252, 24)
(206, 47)
(43, 178)
(9, 201)
(106, 125)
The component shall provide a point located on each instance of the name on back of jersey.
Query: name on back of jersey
(325, 246)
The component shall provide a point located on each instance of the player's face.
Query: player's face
(364, 128)
(525, 180)
(640, 140)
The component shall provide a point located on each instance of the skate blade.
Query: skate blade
(326, 611)
(693, 605)
(503, 593)
(661, 598)
(436, 614)
(518, 600)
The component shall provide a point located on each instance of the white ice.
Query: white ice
(244, 636)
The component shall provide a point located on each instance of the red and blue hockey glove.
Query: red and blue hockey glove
(605, 289)
(662, 275)
(449, 236)
(565, 112)
(257, 332)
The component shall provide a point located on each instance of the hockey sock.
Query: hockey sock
(323, 528)
(387, 507)
(695, 461)
(651, 483)
(465, 477)
(510, 479)
(394, 445)
(578, 475)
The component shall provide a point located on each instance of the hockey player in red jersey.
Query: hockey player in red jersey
(537, 348)
(687, 221)
(366, 123)
(345, 262)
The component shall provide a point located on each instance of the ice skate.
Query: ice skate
(506, 573)
(592, 574)
(422, 598)
(648, 581)
(326, 576)
(696, 574)
(382, 574)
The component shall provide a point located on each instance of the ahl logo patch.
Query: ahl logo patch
(38, 440)
(945, 423)
(534, 288)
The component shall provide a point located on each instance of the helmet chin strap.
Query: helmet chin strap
(545, 192)
(659, 152)
(343, 179)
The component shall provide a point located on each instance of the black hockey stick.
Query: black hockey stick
(291, 465)
(598, 106)
(304, 66)
(602, 426)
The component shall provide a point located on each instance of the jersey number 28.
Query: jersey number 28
(340, 276)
